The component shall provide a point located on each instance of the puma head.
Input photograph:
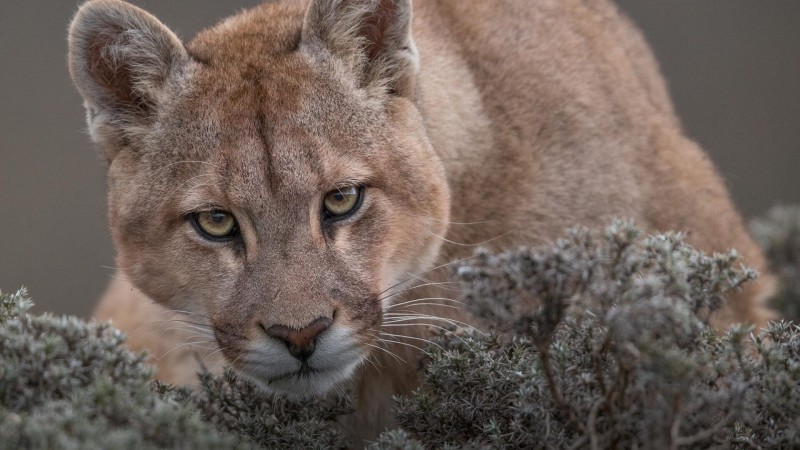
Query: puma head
(273, 175)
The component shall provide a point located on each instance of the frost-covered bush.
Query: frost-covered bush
(778, 232)
(238, 406)
(71, 385)
(598, 341)
(601, 341)
(68, 384)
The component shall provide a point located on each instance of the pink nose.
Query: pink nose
(301, 343)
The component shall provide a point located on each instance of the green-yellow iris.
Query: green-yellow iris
(342, 201)
(217, 224)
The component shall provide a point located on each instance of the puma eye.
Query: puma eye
(340, 203)
(215, 225)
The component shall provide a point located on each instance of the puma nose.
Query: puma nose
(301, 343)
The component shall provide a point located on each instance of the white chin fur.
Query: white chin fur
(307, 385)
(335, 360)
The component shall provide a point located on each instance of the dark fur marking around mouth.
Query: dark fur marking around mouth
(305, 371)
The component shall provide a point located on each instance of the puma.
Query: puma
(290, 179)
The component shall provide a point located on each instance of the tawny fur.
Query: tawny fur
(495, 123)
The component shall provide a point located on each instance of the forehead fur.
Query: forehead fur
(257, 62)
(268, 29)
(265, 107)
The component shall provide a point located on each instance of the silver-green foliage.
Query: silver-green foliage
(598, 341)
(233, 404)
(618, 354)
(68, 384)
(778, 233)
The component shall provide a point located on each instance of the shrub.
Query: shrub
(69, 384)
(618, 354)
(600, 340)
(778, 232)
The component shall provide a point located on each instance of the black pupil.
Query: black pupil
(218, 218)
(339, 197)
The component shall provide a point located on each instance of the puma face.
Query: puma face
(273, 176)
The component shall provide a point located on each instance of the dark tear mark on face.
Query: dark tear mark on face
(263, 130)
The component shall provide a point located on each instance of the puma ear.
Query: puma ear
(372, 37)
(120, 59)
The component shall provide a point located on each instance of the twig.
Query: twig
(699, 436)
(544, 354)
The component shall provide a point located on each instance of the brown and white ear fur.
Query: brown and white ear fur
(372, 38)
(121, 59)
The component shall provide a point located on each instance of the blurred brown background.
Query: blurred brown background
(733, 67)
